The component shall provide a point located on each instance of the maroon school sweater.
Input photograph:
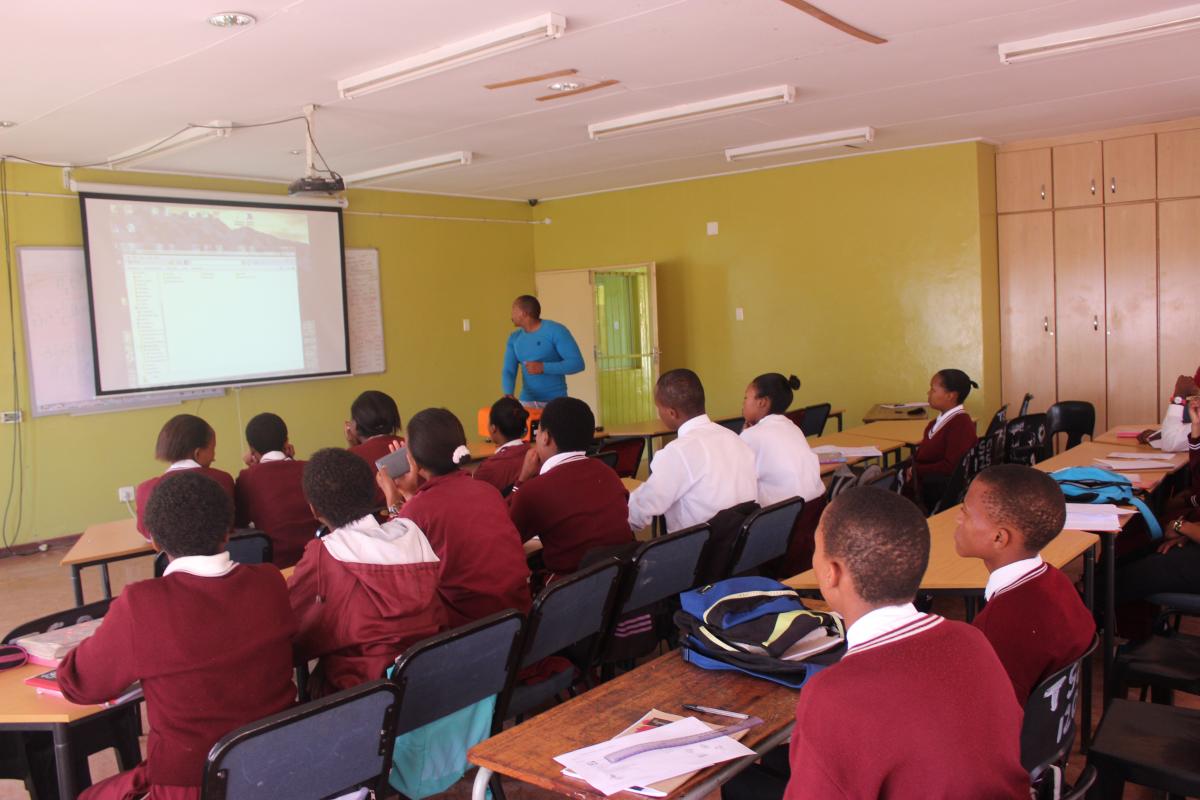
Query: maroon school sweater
(1037, 625)
(271, 495)
(371, 450)
(502, 469)
(146, 488)
(483, 564)
(574, 507)
(924, 712)
(941, 454)
(212, 653)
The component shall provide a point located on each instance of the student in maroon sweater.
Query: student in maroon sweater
(363, 592)
(270, 491)
(210, 642)
(483, 566)
(508, 423)
(571, 502)
(947, 438)
(372, 427)
(1033, 617)
(186, 442)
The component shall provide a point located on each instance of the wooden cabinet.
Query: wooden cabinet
(1179, 164)
(1178, 293)
(1129, 171)
(1023, 181)
(1079, 307)
(1131, 294)
(1027, 309)
(1078, 177)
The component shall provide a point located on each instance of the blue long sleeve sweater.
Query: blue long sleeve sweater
(554, 346)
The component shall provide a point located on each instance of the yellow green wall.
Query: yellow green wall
(864, 275)
(434, 273)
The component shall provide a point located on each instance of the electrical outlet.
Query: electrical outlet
(10, 417)
(466, 325)
(712, 228)
(738, 314)
(125, 494)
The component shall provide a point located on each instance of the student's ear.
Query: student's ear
(1002, 538)
(288, 450)
(318, 517)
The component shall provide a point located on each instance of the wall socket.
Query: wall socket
(10, 417)
(125, 494)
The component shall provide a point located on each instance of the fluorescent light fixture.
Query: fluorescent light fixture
(458, 159)
(1177, 20)
(455, 54)
(690, 112)
(818, 141)
(217, 129)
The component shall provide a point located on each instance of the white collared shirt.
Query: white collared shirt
(1010, 574)
(512, 443)
(1174, 437)
(943, 418)
(887, 624)
(274, 455)
(785, 464)
(707, 469)
(561, 458)
(186, 463)
(203, 566)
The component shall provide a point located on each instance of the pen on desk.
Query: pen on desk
(718, 711)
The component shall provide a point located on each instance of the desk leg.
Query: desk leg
(64, 764)
(77, 585)
(1108, 556)
(839, 419)
(105, 582)
(1089, 599)
(479, 789)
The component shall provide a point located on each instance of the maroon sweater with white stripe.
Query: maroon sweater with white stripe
(502, 468)
(1037, 625)
(942, 453)
(146, 488)
(270, 494)
(923, 712)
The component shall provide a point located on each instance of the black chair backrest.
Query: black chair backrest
(1075, 418)
(766, 535)
(1048, 732)
(608, 457)
(320, 749)
(1027, 440)
(457, 668)
(664, 567)
(60, 619)
(569, 611)
(987, 451)
(734, 425)
(629, 454)
(245, 546)
(1025, 405)
(998, 420)
(814, 419)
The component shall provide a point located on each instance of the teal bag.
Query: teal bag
(1095, 485)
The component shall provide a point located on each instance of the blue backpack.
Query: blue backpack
(1095, 485)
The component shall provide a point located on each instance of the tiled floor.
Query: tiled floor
(36, 585)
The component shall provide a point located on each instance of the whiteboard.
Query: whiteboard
(58, 336)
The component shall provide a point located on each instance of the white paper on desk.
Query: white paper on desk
(1141, 455)
(1098, 508)
(1130, 464)
(647, 768)
(904, 405)
(1092, 522)
(848, 452)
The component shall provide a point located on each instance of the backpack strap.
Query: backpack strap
(1152, 525)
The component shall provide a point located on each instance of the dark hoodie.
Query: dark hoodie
(362, 594)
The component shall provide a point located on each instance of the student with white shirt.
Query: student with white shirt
(1034, 618)
(947, 438)
(269, 492)
(785, 464)
(1172, 437)
(707, 469)
(186, 442)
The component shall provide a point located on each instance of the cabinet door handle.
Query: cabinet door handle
(1093, 185)
(1043, 191)
(1113, 186)
(1095, 322)
(1046, 324)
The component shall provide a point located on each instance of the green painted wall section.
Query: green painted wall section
(862, 275)
(434, 273)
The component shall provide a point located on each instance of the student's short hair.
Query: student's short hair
(530, 305)
(339, 485)
(777, 389)
(510, 418)
(570, 422)
(433, 436)
(1024, 500)
(182, 436)
(375, 413)
(681, 390)
(266, 432)
(189, 514)
(955, 380)
(883, 540)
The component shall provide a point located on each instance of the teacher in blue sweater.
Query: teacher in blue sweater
(544, 348)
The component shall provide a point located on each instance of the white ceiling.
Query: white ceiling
(85, 80)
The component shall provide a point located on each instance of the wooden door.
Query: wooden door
(1178, 293)
(1027, 309)
(1131, 290)
(1079, 307)
(1078, 177)
(1023, 181)
(1179, 164)
(1129, 172)
(566, 297)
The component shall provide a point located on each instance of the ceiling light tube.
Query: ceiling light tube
(458, 159)
(853, 137)
(1135, 29)
(455, 54)
(690, 112)
(200, 134)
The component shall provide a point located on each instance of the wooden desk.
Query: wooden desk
(880, 414)
(908, 431)
(1084, 455)
(525, 752)
(100, 545)
(886, 446)
(1110, 435)
(23, 710)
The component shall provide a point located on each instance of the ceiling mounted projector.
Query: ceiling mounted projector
(317, 184)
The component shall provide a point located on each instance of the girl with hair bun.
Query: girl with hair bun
(947, 438)
(483, 566)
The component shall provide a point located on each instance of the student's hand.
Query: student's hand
(391, 492)
(532, 465)
(351, 433)
(289, 451)
(533, 367)
(1170, 544)
(249, 458)
(1144, 436)
(747, 424)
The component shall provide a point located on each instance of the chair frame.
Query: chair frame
(739, 546)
